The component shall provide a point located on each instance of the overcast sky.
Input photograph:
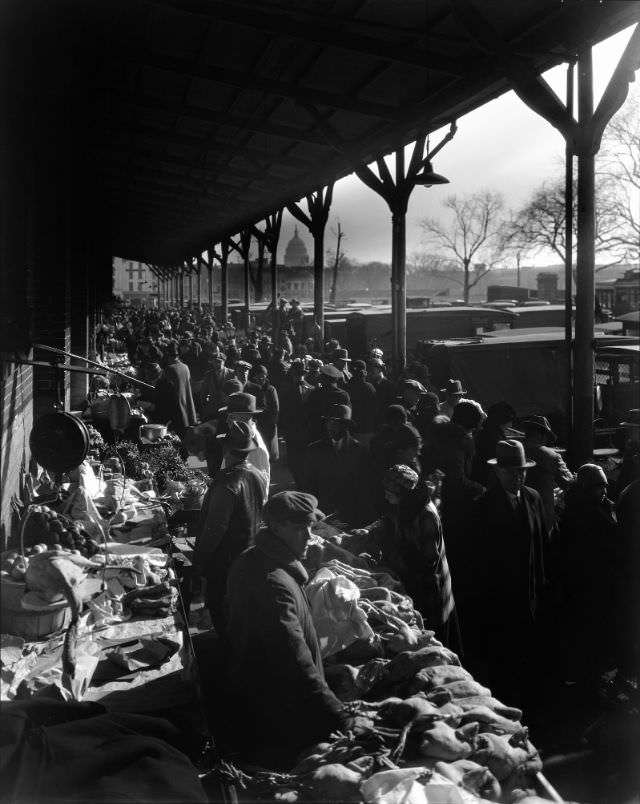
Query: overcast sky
(502, 146)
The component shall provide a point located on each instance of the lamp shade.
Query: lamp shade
(426, 177)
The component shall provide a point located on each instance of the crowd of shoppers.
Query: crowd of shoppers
(497, 541)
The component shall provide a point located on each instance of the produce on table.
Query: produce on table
(471, 776)
(405, 665)
(53, 576)
(430, 677)
(490, 720)
(44, 526)
(462, 688)
(506, 754)
(333, 783)
(429, 715)
(441, 741)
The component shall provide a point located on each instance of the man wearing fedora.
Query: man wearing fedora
(386, 392)
(453, 393)
(241, 407)
(230, 516)
(211, 393)
(322, 398)
(509, 554)
(336, 468)
(550, 470)
(340, 359)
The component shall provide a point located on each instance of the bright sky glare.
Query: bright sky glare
(502, 146)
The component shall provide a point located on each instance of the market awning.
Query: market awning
(196, 118)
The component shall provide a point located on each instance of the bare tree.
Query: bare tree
(540, 224)
(619, 174)
(474, 232)
(338, 259)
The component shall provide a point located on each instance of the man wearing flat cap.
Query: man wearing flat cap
(509, 553)
(281, 702)
(229, 519)
(336, 469)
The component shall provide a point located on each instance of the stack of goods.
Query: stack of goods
(434, 733)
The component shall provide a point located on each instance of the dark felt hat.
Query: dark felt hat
(241, 403)
(239, 438)
(453, 388)
(293, 506)
(339, 413)
(331, 372)
(341, 354)
(538, 423)
(231, 386)
(407, 437)
(510, 455)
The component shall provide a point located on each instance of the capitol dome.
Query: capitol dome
(296, 253)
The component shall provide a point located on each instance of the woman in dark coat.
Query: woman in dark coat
(410, 542)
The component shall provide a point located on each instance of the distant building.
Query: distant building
(134, 282)
(295, 283)
(296, 254)
(621, 295)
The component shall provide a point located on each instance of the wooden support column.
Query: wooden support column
(396, 193)
(225, 248)
(243, 247)
(583, 405)
(584, 137)
(269, 237)
(209, 265)
(398, 263)
(568, 257)
(318, 205)
(181, 276)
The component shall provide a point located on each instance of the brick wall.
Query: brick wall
(16, 420)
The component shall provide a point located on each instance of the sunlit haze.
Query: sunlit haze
(503, 146)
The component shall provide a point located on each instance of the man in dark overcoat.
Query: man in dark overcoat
(336, 469)
(230, 518)
(509, 554)
(276, 679)
(321, 399)
(174, 398)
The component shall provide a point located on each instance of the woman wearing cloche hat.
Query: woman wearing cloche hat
(409, 540)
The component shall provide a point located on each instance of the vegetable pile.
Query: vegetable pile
(431, 725)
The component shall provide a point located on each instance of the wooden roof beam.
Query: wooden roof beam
(181, 182)
(283, 23)
(211, 116)
(113, 151)
(236, 78)
(260, 156)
